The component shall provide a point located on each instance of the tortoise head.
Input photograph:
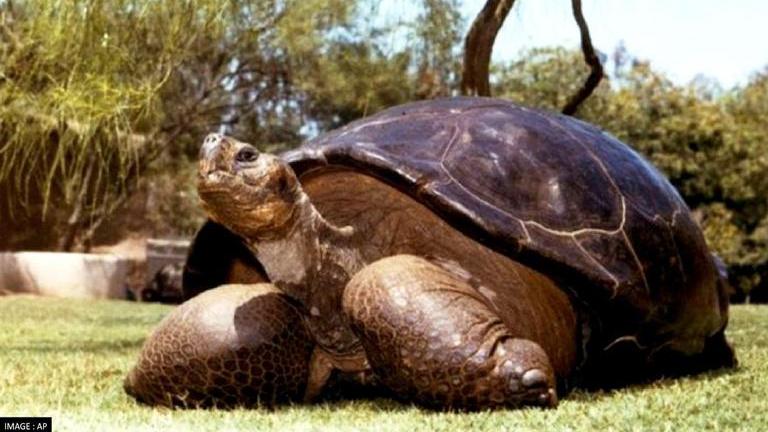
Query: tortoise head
(254, 194)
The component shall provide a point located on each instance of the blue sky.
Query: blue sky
(725, 40)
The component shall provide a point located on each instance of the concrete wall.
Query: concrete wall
(63, 274)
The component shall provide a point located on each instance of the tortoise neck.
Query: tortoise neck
(313, 263)
(297, 261)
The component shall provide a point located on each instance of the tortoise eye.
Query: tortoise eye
(247, 154)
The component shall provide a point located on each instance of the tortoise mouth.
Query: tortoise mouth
(217, 187)
(222, 186)
(216, 178)
(213, 167)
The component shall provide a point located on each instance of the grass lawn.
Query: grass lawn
(67, 359)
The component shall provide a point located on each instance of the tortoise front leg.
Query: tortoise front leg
(236, 345)
(432, 339)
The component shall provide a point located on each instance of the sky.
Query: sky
(724, 40)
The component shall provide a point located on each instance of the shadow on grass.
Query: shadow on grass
(379, 404)
(587, 394)
(379, 400)
(342, 394)
(122, 322)
(45, 347)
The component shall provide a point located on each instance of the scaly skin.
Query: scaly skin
(237, 345)
(432, 340)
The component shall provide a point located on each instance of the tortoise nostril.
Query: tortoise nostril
(247, 154)
(209, 145)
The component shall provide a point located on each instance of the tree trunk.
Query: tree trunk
(74, 223)
(478, 46)
(590, 58)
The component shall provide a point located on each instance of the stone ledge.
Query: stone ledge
(58, 274)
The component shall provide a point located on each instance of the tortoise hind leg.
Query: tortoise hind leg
(430, 338)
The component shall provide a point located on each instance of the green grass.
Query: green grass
(67, 359)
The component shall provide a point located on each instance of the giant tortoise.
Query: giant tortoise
(463, 253)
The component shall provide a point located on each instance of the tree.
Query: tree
(437, 35)
(94, 91)
(590, 58)
(547, 78)
(333, 97)
(97, 93)
(479, 45)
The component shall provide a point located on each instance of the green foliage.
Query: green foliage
(94, 92)
(67, 359)
(173, 208)
(438, 35)
(82, 88)
(336, 97)
(80, 80)
(546, 78)
(361, 73)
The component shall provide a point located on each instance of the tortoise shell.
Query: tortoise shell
(554, 193)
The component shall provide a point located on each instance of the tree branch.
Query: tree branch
(590, 58)
(137, 140)
(478, 46)
(75, 222)
(10, 34)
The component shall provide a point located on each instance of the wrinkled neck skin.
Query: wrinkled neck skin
(312, 262)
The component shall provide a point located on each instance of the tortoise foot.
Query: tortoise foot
(536, 386)
(432, 340)
(527, 384)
